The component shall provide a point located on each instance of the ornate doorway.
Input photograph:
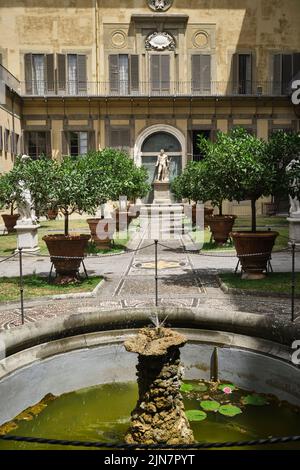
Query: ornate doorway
(149, 145)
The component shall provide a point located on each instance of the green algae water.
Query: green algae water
(102, 413)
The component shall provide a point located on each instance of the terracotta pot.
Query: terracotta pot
(221, 226)
(10, 221)
(102, 231)
(52, 214)
(73, 246)
(248, 243)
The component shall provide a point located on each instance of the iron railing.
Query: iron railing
(155, 89)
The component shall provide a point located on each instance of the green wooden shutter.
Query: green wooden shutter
(205, 73)
(114, 75)
(196, 82)
(28, 73)
(49, 67)
(277, 77)
(48, 144)
(287, 72)
(165, 72)
(61, 72)
(296, 66)
(82, 73)
(134, 73)
(91, 141)
(64, 143)
(155, 72)
(235, 74)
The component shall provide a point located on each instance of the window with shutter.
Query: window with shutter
(160, 73)
(37, 143)
(242, 74)
(286, 69)
(201, 73)
(123, 74)
(120, 138)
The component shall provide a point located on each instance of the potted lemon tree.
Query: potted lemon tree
(8, 201)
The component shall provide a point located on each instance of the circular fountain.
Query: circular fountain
(76, 352)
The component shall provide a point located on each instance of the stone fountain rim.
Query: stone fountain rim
(265, 327)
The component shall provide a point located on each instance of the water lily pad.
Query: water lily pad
(229, 386)
(196, 415)
(210, 405)
(186, 388)
(229, 410)
(254, 400)
(200, 387)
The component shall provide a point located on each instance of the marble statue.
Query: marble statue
(25, 208)
(163, 164)
(294, 201)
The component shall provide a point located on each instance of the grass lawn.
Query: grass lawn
(37, 286)
(8, 243)
(274, 282)
(279, 224)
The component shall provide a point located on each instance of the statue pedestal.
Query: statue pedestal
(162, 193)
(294, 230)
(27, 236)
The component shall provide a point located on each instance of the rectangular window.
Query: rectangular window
(160, 73)
(197, 155)
(286, 69)
(72, 74)
(76, 143)
(1, 139)
(201, 74)
(38, 143)
(39, 74)
(242, 74)
(123, 74)
(120, 138)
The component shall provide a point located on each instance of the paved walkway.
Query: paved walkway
(185, 280)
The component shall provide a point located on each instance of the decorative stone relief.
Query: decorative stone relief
(160, 5)
(200, 39)
(160, 42)
(119, 39)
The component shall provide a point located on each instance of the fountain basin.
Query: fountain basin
(71, 353)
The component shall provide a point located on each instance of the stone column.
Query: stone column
(159, 415)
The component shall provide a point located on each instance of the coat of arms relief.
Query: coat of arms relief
(160, 5)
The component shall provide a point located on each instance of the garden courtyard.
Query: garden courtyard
(202, 280)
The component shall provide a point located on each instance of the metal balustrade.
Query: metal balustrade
(125, 89)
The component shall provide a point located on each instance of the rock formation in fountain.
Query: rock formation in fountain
(159, 415)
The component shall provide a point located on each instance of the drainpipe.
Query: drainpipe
(97, 43)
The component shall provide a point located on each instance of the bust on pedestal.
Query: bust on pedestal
(27, 226)
(162, 183)
(294, 218)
